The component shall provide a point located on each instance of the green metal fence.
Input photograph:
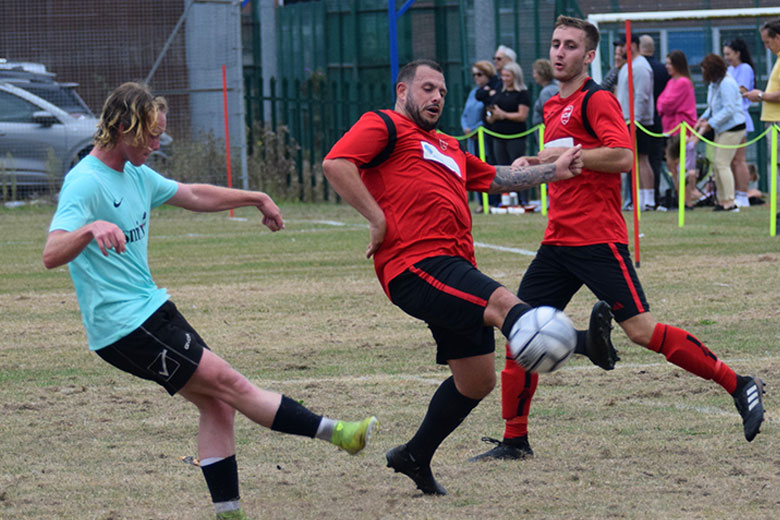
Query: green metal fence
(314, 113)
(333, 61)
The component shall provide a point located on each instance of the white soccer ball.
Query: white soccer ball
(542, 340)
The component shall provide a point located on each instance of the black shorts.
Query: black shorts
(164, 349)
(450, 295)
(558, 272)
(644, 142)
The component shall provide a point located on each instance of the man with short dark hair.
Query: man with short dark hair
(643, 113)
(420, 238)
(619, 59)
(586, 243)
(657, 144)
(101, 230)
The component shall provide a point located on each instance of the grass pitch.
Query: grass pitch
(301, 312)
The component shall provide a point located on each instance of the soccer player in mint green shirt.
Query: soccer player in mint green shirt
(101, 230)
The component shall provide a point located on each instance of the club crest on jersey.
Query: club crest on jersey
(566, 114)
(443, 144)
(430, 153)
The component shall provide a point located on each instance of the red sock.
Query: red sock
(685, 351)
(517, 390)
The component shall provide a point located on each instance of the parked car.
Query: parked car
(33, 77)
(38, 140)
(42, 135)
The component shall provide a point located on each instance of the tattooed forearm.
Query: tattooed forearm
(510, 178)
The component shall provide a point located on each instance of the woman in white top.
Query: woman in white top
(737, 55)
(724, 115)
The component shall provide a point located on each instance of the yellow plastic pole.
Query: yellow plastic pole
(543, 187)
(481, 149)
(773, 185)
(681, 178)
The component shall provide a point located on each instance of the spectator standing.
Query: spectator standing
(737, 56)
(770, 96)
(501, 57)
(586, 243)
(660, 79)
(508, 111)
(543, 76)
(677, 103)
(619, 59)
(471, 118)
(643, 113)
(726, 117)
(101, 230)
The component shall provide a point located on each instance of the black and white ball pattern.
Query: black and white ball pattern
(542, 340)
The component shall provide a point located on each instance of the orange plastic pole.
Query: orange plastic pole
(227, 131)
(635, 177)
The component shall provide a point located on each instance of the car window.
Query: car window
(61, 97)
(14, 109)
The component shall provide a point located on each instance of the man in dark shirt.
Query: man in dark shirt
(660, 78)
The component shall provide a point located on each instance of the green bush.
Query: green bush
(270, 162)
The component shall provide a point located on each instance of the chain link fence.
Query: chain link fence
(178, 47)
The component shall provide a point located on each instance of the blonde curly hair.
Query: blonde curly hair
(131, 109)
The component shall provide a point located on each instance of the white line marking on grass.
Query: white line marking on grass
(505, 249)
(440, 376)
(495, 247)
(330, 222)
(336, 223)
(432, 378)
(704, 410)
(333, 223)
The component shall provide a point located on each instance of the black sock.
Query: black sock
(512, 316)
(446, 411)
(293, 417)
(222, 479)
(582, 343)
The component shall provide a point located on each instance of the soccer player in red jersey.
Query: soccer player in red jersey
(586, 242)
(415, 201)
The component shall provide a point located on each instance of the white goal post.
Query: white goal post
(665, 16)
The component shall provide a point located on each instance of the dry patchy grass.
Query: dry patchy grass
(301, 312)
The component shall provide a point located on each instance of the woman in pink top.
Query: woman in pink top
(677, 103)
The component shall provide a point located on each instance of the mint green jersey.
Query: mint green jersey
(116, 294)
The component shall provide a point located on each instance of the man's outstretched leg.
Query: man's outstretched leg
(218, 390)
(686, 351)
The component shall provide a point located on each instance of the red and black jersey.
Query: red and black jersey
(586, 210)
(422, 189)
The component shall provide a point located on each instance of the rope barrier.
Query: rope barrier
(480, 132)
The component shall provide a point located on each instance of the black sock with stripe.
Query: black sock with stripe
(512, 316)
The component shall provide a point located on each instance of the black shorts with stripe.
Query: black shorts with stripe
(164, 349)
(450, 295)
(558, 272)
